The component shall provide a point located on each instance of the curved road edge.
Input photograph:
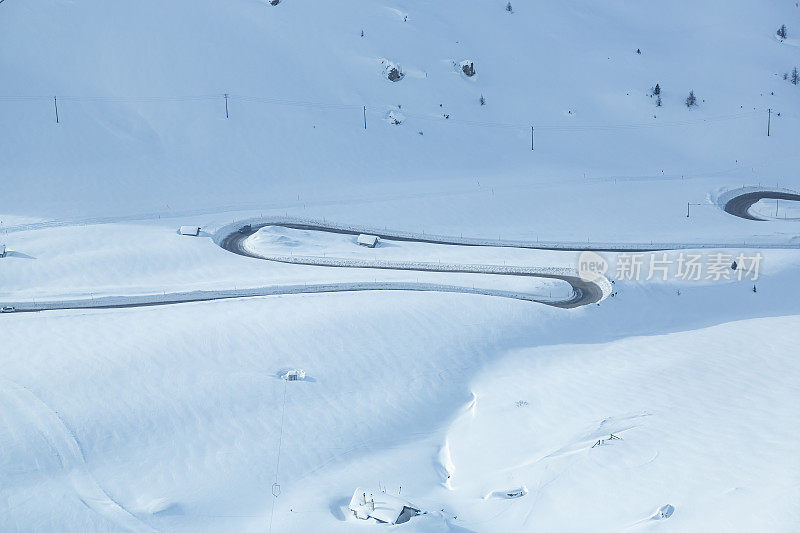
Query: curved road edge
(737, 202)
(151, 300)
(583, 292)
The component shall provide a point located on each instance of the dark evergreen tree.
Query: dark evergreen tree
(482, 100)
(657, 89)
(509, 8)
(782, 31)
(795, 78)
(658, 101)
(691, 100)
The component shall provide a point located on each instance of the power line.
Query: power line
(541, 126)
(276, 488)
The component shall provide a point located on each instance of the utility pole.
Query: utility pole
(769, 119)
(687, 207)
(365, 117)
(531, 138)
(55, 103)
(226, 105)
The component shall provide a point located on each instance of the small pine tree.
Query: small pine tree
(795, 77)
(658, 102)
(785, 76)
(782, 31)
(509, 8)
(691, 100)
(657, 90)
(482, 100)
(362, 33)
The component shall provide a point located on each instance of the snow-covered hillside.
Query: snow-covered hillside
(663, 405)
(143, 129)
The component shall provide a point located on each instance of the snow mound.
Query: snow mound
(395, 117)
(158, 506)
(445, 465)
(510, 494)
(663, 512)
(278, 236)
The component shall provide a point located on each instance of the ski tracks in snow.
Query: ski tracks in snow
(64, 446)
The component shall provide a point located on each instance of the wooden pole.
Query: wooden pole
(226, 105)
(365, 117)
(531, 138)
(55, 103)
(769, 119)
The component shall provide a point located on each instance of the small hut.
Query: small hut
(382, 507)
(370, 241)
(193, 231)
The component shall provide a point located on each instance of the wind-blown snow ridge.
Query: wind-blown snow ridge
(65, 446)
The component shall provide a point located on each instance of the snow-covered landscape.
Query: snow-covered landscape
(481, 266)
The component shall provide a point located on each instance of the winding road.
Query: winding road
(232, 237)
(584, 292)
(739, 206)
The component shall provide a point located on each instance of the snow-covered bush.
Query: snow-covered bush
(393, 71)
(468, 68)
(395, 117)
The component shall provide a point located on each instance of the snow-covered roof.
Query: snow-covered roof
(368, 240)
(388, 508)
(295, 374)
(190, 230)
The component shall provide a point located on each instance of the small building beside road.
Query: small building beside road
(193, 231)
(370, 241)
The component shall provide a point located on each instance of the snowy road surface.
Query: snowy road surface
(584, 292)
(740, 205)
(484, 279)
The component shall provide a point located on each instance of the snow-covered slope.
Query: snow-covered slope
(180, 427)
(143, 128)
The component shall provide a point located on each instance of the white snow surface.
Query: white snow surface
(176, 417)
